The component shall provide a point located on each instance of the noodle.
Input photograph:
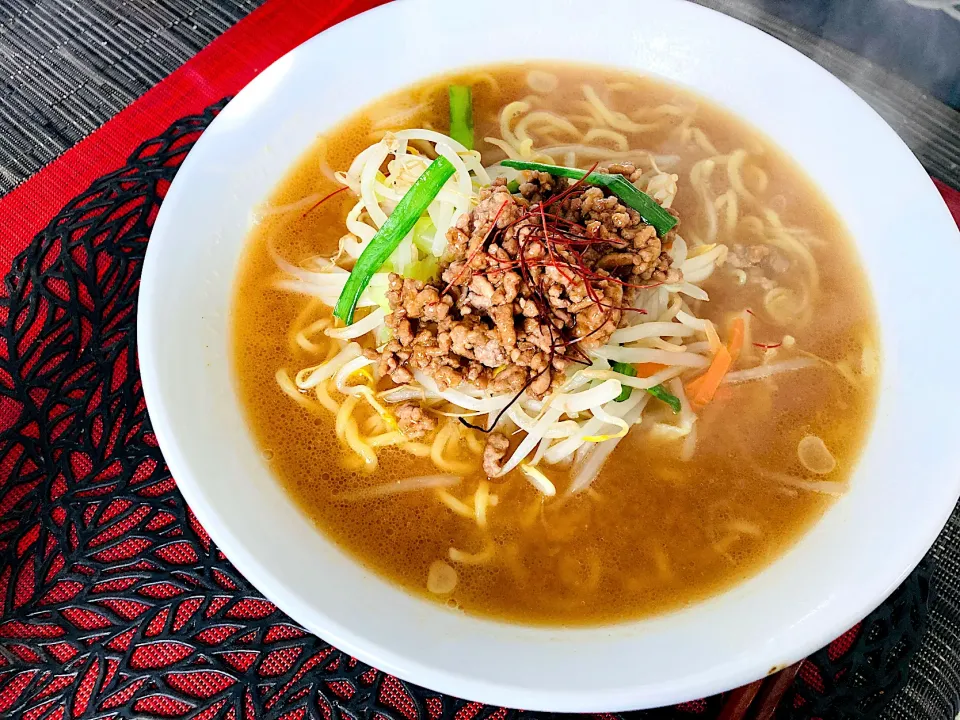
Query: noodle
(507, 116)
(344, 415)
(701, 139)
(458, 506)
(286, 384)
(473, 442)
(322, 391)
(372, 424)
(393, 437)
(617, 121)
(734, 168)
(301, 338)
(618, 140)
(439, 447)
(465, 558)
(699, 179)
(550, 120)
(649, 441)
(481, 500)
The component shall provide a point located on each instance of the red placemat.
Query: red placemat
(113, 600)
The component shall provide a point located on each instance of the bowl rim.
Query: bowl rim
(445, 679)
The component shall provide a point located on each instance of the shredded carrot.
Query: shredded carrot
(706, 386)
(703, 389)
(645, 370)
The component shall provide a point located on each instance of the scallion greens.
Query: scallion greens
(649, 209)
(401, 221)
(461, 114)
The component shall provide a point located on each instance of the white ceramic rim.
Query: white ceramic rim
(713, 646)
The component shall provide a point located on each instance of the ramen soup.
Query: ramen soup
(542, 395)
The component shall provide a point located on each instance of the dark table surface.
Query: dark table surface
(66, 66)
(916, 41)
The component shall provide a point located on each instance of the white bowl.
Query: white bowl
(905, 486)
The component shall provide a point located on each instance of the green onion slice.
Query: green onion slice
(401, 221)
(658, 391)
(661, 393)
(461, 115)
(624, 369)
(649, 209)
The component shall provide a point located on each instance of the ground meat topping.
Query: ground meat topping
(633, 243)
(528, 283)
(761, 264)
(494, 453)
(414, 422)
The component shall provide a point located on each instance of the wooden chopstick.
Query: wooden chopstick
(759, 700)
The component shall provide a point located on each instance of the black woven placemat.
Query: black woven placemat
(68, 66)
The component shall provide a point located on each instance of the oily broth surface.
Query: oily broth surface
(653, 533)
